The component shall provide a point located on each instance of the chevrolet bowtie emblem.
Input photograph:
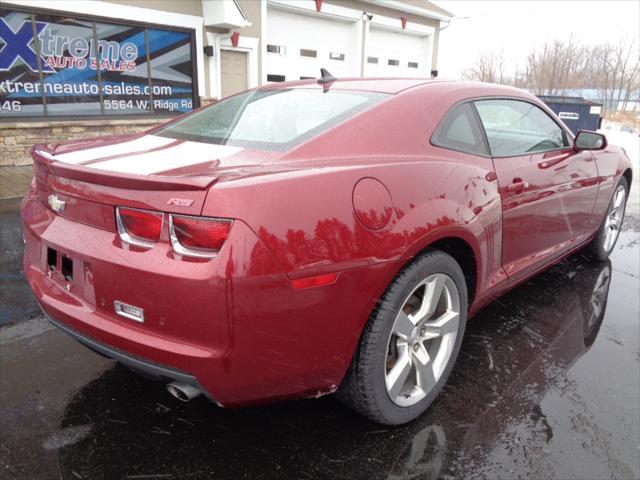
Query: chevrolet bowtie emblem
(56, 204)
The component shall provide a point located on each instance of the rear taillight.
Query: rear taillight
(139, 227)
(198, 236)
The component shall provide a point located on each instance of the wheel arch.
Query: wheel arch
(464, 255)
(628, 175)
(459, 244)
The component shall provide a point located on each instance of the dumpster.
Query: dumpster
(577, 113)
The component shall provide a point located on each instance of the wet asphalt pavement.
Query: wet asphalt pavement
(547, 385)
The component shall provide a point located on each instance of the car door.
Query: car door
(547, 189)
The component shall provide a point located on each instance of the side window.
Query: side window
(459, 130)
(514, 128)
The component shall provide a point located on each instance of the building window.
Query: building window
(413, 64)
(275, 78)
(277, 49)
(336, 56)
(372, 59)
(90, 67)
(305, 52)
(393, 62)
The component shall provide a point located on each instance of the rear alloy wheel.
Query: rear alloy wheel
(607, 236)
(411, 342)
(422, 340)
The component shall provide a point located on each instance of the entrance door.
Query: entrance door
(233, 66)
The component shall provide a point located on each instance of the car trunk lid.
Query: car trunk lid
(143, 171)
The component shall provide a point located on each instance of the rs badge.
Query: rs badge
(180, 202)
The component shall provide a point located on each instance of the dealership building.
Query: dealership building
(72, 69)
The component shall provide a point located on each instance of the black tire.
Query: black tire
(364, 387)
(596, 249)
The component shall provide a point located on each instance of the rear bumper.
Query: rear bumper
(234, 324)
(159, 372)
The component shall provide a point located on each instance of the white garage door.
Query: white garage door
(396, 54)
(299, 45)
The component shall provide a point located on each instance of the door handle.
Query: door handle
(550, 161)
(518, 186)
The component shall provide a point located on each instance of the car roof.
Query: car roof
(398, 85)
(478, 89)
(381, 85)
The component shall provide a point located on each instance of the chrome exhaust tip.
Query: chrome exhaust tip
(183, 391)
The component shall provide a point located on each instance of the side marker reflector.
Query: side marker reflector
(317, 281)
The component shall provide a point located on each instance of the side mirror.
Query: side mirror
(586, 140)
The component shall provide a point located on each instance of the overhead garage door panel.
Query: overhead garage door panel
(403, 48)
(298, 31)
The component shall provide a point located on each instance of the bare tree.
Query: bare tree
(615, 72)
(559, 66)
(629, 65)
(632, 84)
(556, 67)
(600, 72)
(488, 68)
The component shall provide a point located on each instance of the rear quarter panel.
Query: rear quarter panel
(307, 223)
(306, 218)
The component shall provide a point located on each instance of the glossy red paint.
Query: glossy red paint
(372, 203)
(552, 206)
(319, 232)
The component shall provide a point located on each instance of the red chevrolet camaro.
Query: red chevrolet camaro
(314, 237)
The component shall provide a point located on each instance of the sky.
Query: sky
(517, 26)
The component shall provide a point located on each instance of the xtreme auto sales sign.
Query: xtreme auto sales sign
(58, 66)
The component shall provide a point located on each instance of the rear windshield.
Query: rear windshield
(270, 119)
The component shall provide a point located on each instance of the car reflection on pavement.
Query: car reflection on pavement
(540, 344)
(117, 425)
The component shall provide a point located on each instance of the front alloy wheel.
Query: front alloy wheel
(614, 219)
(607, 235)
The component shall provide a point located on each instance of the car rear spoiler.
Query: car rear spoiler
(46, 162)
